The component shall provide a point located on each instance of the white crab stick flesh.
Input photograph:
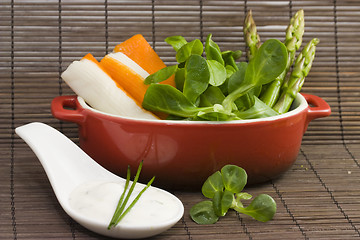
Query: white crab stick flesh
(126, 73)
(91, 82)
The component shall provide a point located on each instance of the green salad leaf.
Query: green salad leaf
(212, 185)
(197, 76)
(213, 51)
(161, 75)
(194, 47)
(262, 208)
(176, 42)
(165, 98)
(224, 189)
(203, 212)
(244, 89)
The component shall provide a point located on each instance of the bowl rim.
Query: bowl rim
(300, 101)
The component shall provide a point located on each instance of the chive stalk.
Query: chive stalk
(119, 212)
(135, 200)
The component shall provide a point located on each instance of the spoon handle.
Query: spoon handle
(65, 164)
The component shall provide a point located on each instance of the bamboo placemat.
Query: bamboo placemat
(318, 198)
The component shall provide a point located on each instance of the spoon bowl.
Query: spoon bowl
(68, 168)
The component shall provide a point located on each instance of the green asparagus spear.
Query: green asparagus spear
(252, 41)
(251, 36)
(296, 80)
(293, 40)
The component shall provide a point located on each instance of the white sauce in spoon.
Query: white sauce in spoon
(98, 200)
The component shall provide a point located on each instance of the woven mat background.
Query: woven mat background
(319, 198)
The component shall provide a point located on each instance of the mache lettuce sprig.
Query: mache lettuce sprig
(211, 85)
(196, 76)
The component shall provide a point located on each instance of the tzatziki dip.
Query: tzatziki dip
(98, 200)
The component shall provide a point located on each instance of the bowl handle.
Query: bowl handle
(66, 108)
(318, 108)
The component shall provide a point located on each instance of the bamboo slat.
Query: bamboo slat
(318, 198)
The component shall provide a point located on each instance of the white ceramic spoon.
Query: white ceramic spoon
(68, 167)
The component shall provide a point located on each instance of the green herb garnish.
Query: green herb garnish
(224, 188)
(119, 213)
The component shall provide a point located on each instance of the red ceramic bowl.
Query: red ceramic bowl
(182, 154)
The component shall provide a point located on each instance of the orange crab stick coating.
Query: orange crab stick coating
(127, 74)
(88, 80)
(140, 51)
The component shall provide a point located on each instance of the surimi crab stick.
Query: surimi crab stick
(89, 80)
(140, 51)
(127, 74)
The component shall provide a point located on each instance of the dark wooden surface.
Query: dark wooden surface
(318, 198)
